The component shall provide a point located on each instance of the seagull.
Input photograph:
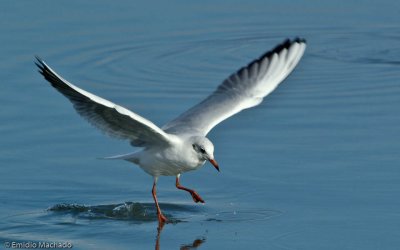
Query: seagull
(181, 145)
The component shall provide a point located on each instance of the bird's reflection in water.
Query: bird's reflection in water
(194, 245)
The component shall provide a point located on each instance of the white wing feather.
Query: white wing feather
(111, 118)
(244, 89)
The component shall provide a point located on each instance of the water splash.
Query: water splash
(129, 211)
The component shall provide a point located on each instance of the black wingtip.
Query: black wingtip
(39, 60)
(45, 71)
(284, 45)
(299, 40)
(40, 64)
(37, 64)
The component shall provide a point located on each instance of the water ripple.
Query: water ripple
(145, 212)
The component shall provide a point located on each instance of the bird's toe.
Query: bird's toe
(197, 198)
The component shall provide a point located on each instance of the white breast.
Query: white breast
(169, 161)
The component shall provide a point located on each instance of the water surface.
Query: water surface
(314, 167)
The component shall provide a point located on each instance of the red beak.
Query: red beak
(215, 164)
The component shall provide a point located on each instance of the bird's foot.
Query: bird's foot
(162, 219)
(161, 222)
(196, 197)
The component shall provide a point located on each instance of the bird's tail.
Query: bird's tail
(128, 157)
(114, 157)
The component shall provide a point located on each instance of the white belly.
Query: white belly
(167, 162)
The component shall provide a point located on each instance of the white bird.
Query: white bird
(181, 145)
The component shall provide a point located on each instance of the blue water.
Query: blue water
(314, 167)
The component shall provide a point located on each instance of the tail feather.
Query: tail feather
(128, 157)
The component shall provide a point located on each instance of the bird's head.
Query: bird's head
(204, 149)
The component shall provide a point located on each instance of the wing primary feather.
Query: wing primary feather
(243, 89)
(109, 117)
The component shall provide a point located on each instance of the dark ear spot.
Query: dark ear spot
(194, 146)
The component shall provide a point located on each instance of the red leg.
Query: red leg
(196, 197)
(161, 218)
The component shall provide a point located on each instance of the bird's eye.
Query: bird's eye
(202, 150)
(194, 146)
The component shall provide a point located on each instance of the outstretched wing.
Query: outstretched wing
(244, 89)
(111, 118)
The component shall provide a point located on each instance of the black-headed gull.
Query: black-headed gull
(181, 145)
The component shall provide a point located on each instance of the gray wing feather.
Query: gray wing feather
(244, 89)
